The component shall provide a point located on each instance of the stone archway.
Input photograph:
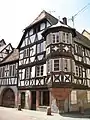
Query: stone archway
(8, 98)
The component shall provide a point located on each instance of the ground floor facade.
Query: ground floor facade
(59, 99)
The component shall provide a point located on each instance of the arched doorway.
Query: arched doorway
(8, 98)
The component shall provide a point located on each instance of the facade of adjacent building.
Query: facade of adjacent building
(86, 34)
(51, 68)
(8, 75)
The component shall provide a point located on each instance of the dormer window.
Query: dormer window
(42, 26)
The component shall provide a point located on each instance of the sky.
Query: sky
(15, 15)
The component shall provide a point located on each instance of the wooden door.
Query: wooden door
(8, 98)
(33, 104)
(23, 100)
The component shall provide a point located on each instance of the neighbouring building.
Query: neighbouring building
(86, 34)
(54, 66)
(8, 75)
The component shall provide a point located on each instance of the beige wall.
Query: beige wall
(86, 35)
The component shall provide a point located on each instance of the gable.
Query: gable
(13, 56)
(2, 42)
(34, 31)
(6, 50)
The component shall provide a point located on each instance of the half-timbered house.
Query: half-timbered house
(54, 66)
(4, 49)
(9, 78)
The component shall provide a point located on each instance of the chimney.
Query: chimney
(65, 20)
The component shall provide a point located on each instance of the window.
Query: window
(12, 70)
(40, 47)
(48, 66)
(42, 26)
(80, 72)
(39, 70)
(27, 73)
(26, 35)
(66, 65)
(0, 71)
(76, 70)
(73, 97)
(3, 72)
(26, 52)
(88, 96)
(65, 37)
(32, 50)
(56, 65)
(31, 32)
(55, 37)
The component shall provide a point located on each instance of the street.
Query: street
(14, 114)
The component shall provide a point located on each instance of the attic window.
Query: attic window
(42, 26)
(31, 32)
(7, 51)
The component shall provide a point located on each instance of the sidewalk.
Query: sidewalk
(14, 114)
(38, 115)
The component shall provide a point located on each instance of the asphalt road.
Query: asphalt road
(14, 114)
